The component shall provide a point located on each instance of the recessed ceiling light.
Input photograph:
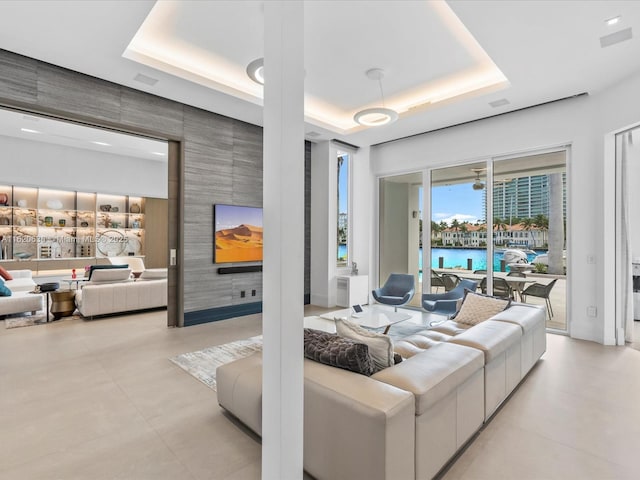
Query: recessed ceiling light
(612, 21)
(104, 144)
(255, 70)
(29, 130)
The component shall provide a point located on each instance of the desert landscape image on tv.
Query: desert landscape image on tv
(238, 234)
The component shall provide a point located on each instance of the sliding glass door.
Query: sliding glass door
(501, 219)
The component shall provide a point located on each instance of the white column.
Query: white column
(283, 276)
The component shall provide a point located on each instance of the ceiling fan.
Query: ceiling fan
(478, 184)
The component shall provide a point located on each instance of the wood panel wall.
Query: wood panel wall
(221, 162)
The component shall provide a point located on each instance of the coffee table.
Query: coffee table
(373, 317)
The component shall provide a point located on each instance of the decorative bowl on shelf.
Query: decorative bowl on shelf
(22, 255)
(22, 203)
(115, 209)
(134, 208)
(105, 208)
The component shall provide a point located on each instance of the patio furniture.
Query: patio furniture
(447, 303)
(451, 281)
(398, 290)
(500, 287)
(541, 291)
(518, 286)
(436, 280)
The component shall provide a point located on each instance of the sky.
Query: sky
(459, 201)
(230, 216)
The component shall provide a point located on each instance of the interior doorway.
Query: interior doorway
(64, 155)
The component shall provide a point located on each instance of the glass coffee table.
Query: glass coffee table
(372, 316)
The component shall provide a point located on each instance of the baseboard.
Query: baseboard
(221, 313)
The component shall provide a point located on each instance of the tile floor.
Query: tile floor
(100, 400)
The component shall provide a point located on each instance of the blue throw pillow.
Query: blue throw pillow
(4, 290)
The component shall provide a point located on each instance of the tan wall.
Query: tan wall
(156, 233)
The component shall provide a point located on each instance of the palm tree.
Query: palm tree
(542, 222)
(499, 224)
(455, 224)
(464, 229)
(527, 225)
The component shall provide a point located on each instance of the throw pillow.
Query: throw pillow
(330, 349)
(477, 308)
(4, 274)
(4, 290)
(380, 346)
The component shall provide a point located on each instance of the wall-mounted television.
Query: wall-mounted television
(237, 234)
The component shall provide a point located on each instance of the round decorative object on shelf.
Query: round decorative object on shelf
(111, 243)
(22, 203)
(48, 221)
(4, 198)
(134, 208)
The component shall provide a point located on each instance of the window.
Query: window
(343, 192)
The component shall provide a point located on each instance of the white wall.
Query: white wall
(633, 174)
(47, 165)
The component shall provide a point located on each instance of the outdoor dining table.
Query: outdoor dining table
(516, 283)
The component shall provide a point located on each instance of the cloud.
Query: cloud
(461, 217)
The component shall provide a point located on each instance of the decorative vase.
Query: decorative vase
(4, 198)
(134, 208)
(62, 222)
(48, 221)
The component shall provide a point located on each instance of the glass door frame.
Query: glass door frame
(490, 164)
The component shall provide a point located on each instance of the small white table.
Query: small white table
(372, 316)
(77, 280)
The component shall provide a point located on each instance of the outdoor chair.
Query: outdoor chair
(436, 280)
(398, 290)
(500, 287)
(541, 291)
(451, 281)
(447, 303)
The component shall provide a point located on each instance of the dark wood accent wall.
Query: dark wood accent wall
(220, 161)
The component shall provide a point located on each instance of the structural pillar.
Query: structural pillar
(283, 265)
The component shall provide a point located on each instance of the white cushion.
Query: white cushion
(154, 274)
(380, 346)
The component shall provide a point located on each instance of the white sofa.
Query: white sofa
(21, 300)
(406, 421)
(112, 291)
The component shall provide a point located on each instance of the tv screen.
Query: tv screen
(237, 234)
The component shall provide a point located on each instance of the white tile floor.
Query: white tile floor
(100, 400)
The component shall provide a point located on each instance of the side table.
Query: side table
(62, 303)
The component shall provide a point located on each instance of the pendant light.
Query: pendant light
(378, 116)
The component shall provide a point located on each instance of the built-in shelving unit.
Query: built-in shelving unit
(38, 223)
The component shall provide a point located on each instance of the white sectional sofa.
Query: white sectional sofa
(408, 420)
(112, 291)
(21, 300)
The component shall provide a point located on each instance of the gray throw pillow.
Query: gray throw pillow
(330, 349)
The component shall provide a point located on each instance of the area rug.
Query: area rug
(26, 321)
(202, 364)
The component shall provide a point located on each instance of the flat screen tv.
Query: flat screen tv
(237, 234)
